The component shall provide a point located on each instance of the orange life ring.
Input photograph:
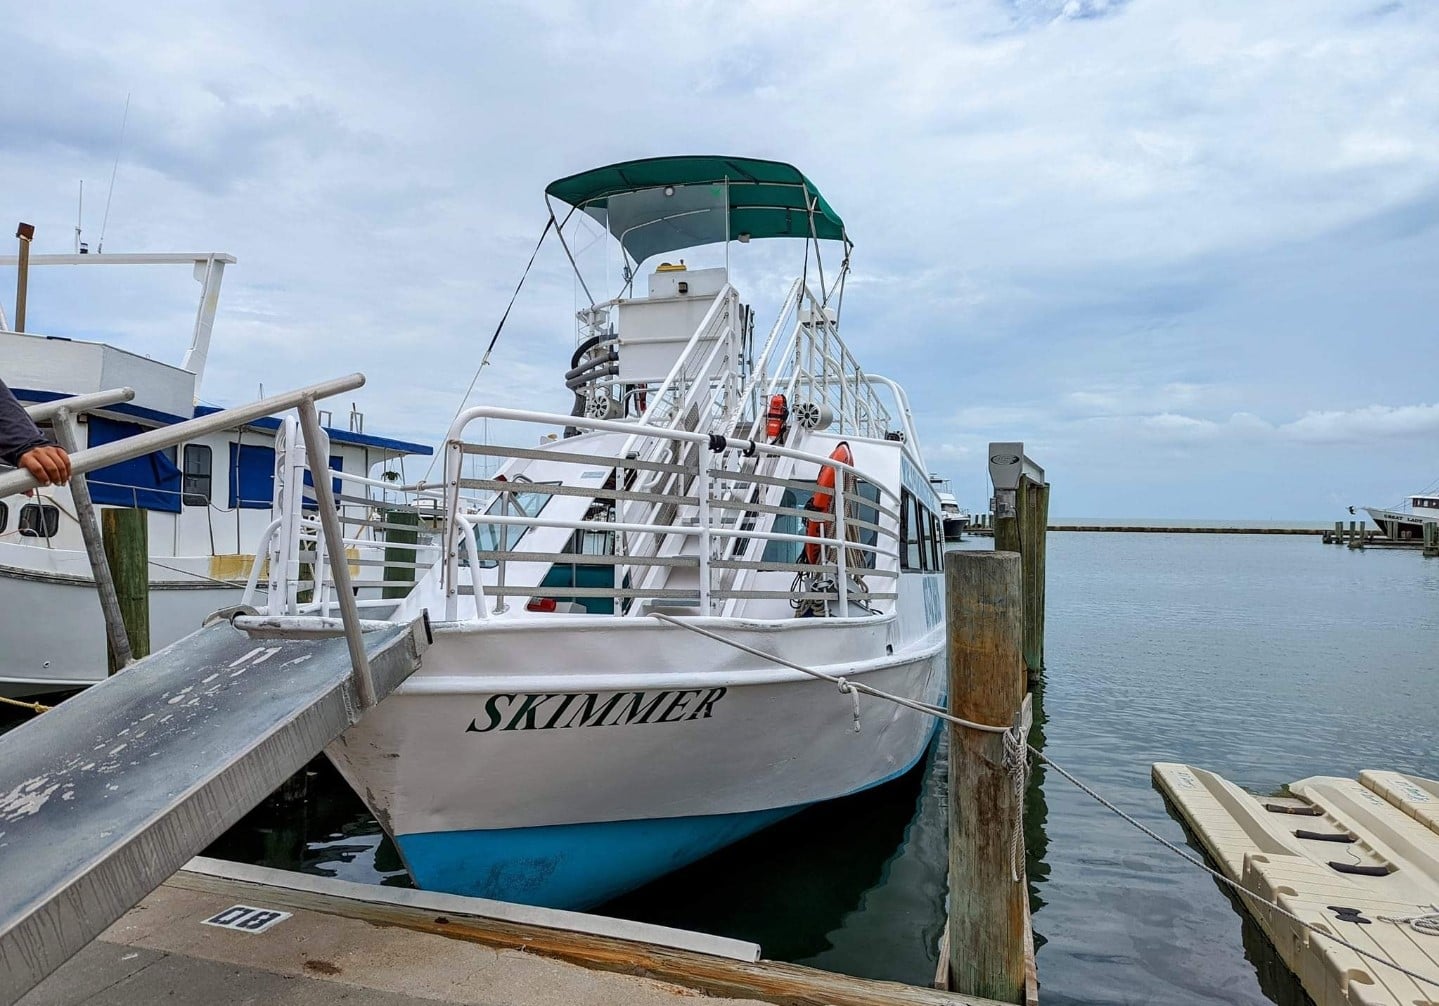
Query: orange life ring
(823, 502)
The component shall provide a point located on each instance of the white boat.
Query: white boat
(953, 518)
(206, 500)
(585, 719)
(1406, 523)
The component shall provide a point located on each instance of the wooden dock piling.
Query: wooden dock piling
(396, 537)
(126, 536)
(1024, 532)
(1431, 539)
(1356, 534)
(986, 685)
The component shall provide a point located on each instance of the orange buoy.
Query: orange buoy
(774, 419)
(823, 502)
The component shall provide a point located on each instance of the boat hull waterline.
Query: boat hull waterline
(572, 778)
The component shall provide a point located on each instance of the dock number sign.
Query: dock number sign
(246, 918)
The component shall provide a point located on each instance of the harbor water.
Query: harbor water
(1265, 658)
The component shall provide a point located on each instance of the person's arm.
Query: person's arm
(23, 445)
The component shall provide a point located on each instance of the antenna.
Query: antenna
(118, 145)
(80, 247)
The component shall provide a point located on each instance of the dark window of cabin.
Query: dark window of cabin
(4, 517)
(926, 538)
(936, 539)
(252, 476)
(788, 551)
(198, 475)
(861, 508)
(39, 520)
(337, 464)
(911, 555)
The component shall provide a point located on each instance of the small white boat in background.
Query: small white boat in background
(1407, 523)
(206, 500)
(592, 712)
(955, 520)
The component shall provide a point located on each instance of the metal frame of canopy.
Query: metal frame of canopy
(761, 199)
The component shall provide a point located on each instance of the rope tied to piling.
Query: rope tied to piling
(1016, 740)
(1016, 763)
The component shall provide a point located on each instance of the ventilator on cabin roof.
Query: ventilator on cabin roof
(660, 204)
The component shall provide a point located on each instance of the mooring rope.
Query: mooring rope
(1016, 740)
(34, 707)
(1428, 923)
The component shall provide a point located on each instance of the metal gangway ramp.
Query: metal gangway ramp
(109, 794)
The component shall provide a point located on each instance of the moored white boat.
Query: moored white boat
(1406, 523)
(585, 719)
(953, 518)
(206, 500)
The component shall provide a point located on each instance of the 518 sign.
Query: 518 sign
(247, 918)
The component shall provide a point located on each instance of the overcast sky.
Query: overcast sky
(1186, 252)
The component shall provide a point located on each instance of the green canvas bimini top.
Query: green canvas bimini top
(766, 200)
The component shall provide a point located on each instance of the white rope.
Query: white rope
(1427, 924)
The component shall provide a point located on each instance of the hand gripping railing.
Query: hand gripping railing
(303, 399)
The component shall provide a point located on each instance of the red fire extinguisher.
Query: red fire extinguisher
(775, 418)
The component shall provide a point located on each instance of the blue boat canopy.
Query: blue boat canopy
(765, 199)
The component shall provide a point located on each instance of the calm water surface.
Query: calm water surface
(1267, 659)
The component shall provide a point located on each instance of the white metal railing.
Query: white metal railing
(656, 522)
(302, 400)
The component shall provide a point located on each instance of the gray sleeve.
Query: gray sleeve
(17, 433)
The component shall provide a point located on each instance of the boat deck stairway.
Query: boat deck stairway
(107, 795)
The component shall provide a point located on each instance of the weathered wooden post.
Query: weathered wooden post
(1021, 512)
(126, 535)
(1356, 534)
(986, 685)
(117, 639)
(401, 529)
(1431, 539)
(1338, 532)
(24, 233)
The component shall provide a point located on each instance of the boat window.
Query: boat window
(909, 528)
(337, 464)
(936, 541)
(788, 551)
(151, 481)
(252, 476)
(4, 516)
(926, 537)
(39, 520)
(862, 508)
(198, 475)
(517, 502)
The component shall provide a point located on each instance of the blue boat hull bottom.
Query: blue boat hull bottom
(572, 866)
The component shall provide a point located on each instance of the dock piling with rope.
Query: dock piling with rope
(987, 917)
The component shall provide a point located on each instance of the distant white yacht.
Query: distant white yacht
(1407, 523)
(954, 518)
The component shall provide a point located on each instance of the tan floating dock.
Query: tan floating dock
(1355, 859)
(331, 942)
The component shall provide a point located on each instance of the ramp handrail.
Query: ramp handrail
(19, 481)
(79, 404)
